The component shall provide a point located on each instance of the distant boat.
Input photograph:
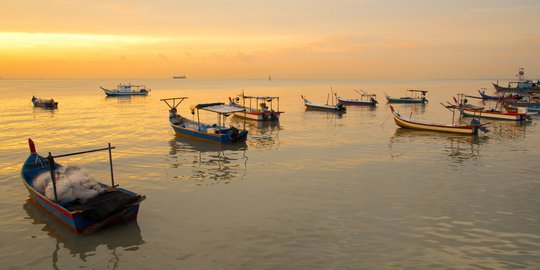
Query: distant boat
(180, 77)
(45, 103)
(261, 109)
(365, 100)
(127, 90)
(216, 133)
(323, 107)
(111, 205)
(407, 122)
(413, 96)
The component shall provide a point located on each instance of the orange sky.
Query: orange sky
(370, 39)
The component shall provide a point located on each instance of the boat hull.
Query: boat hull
(511, 116)
(259, 116)
(192, 133)
(110, 93)
(49, 105)
(355, 102)
(405, 100)
(311, 106)
(440, 128)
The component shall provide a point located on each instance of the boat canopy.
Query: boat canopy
(260, 97)
(415, 90)
(219, 108)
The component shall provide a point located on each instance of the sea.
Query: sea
(316, 190)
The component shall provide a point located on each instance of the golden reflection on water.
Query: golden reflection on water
(458, 148)
(318, 176)
(208, 163)
(125, 236)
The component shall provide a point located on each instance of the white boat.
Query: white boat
(258, 108)
(127, 90)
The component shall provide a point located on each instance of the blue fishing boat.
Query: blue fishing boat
(85, 215)
(216, 133)
(510, 96)
(44, 103)
(412, 96)
(522, 85)
(323, 107)
(532, 103)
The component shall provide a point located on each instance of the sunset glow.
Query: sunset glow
(247, 39)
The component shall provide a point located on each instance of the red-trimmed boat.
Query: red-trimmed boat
(44, 103)
(112, 205)
(407, 122)
(258, 108)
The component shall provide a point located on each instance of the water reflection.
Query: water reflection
(409, 107)
(322, 114)
(263, 134)
(459, 148)
(126, 99)
(125, 236)
(507, 130)
(208, 163)
(43, 111)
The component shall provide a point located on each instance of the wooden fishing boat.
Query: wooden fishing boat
(407, 122)
(365, 100)
(44, 103)
(258, 108)
(501, 114)
(111, 206)
(126, 90)
(522, 85)
(324, 107)
(216, 133)
(412, 96)
(510, 96)
(532, 103)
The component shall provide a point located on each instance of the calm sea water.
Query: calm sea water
(316, 191)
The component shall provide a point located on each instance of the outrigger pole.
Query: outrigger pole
(51, 158)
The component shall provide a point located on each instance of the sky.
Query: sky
(293, 39)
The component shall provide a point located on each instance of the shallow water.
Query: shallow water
(315, 191)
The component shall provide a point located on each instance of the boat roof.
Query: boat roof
(416, 90)
(220, 108)
(259, 97)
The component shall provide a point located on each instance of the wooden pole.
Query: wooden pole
(327, 98)
(198, 121)
(110, 163)
(53, 175)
